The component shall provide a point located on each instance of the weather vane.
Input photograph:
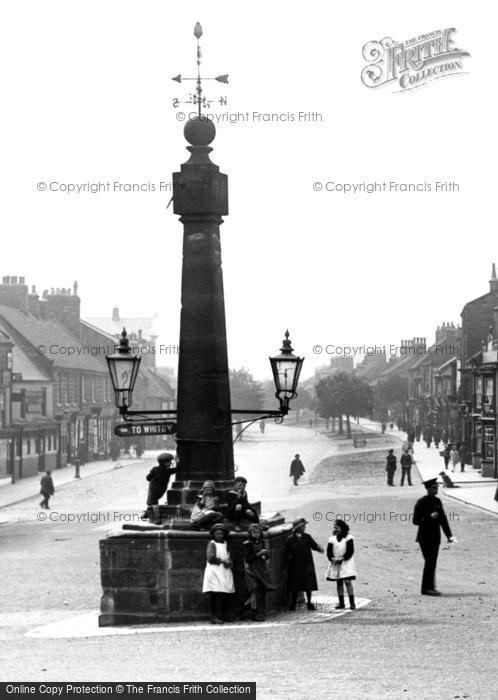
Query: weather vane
(198, 99)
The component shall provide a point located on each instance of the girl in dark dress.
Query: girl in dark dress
(301, 575)
(257, 575)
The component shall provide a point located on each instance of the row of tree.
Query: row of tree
(337, 396)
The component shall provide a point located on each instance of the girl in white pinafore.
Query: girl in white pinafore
(218, 577)
(342, 568)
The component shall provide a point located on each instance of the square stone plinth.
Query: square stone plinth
(156, 576)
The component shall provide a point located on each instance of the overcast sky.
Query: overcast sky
(87, 96)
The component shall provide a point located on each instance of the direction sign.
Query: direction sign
(144, 429)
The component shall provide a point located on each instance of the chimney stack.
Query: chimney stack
(493, 282)
(115, 314)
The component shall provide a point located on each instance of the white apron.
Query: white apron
(346, 569)
(217, 578)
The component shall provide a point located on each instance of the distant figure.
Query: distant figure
(296, 469)
(462, 452)
(446, 455)
(437, 437)
(262, 426)
(391, 462)
(391, 425)
(406, 462)
(115, 450)
(418, 432)
(454, 457)
(383, 428)
(46, 489)
(82, 452)
(410, 435)
(158, 479)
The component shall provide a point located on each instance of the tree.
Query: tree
(245, 391)
(343, 394)
(390, 395)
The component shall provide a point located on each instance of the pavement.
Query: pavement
(24, 489)
(471, 488)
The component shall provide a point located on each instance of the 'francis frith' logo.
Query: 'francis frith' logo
(412, 63)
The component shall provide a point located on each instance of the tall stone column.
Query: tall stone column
(204, 419)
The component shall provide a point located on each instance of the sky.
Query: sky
(88, 98)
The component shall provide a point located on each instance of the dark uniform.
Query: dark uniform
(406, 468)
(429, 534)
(390, 467)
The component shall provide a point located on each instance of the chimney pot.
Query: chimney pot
(13, 280)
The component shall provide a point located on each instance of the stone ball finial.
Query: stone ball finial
(199, 132)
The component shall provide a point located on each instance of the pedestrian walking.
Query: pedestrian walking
(257, 574)
(218, 576)
(454, 457)
(206, 510)
(391, 463)
(446, 455)
(418, 432)
(342, 567)
(238, 507)
(437, 437)
(383, 428)
(301, 575)
(46, 489)
(410, 435)
(462, 453)
(296, 469)
(430, 518)
(406, 462)
(82, 452)
(115, 450)
(158, 479)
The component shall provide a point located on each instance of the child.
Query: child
(206, 510)
(301, 574)
(239, 507)
(340, 553)
(257, 575)
(218, 577)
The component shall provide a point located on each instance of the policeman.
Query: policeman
(430, 517)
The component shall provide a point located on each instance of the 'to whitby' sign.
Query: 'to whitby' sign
(411, 63)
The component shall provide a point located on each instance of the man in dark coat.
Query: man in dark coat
(410, 435)
(390, 467)
(301, 574)
(158, 479)
(296, 469)
(430, 517)
(406, 468)
(46, 489)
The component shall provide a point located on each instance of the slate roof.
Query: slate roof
(132, 324)
(30, 330)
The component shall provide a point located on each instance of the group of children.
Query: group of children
(301, 577)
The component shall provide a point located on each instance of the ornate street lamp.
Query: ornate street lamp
(124, 365)
(123, 368)
(286, 369)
